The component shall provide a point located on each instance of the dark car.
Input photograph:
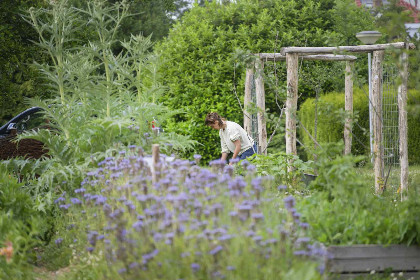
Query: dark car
(27, 120)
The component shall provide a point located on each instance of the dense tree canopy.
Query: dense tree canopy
(17, 78)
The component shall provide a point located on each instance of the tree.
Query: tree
(18, 79)
(148, 17)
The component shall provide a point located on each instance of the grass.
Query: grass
(393, 180)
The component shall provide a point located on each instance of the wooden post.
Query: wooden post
(348, 107)
(402, 124)
(247, 100)
(259, 89)
(378, 152)
(291, 102)
(155, 162)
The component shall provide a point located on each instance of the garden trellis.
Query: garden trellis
(291, 56)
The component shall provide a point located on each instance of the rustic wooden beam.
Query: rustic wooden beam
(340, 49)
(247, 99)
(260, 92)
(402, 124)
(291, 102)
(378, 152)
(348, 96)
(323, 57)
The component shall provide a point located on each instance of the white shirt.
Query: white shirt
(230, 134)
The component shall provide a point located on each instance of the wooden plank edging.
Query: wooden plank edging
(366, 258)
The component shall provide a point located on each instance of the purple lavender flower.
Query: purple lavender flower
(133, 265)
(216, 250)
(90, 249)
(296, 216)
(138, 226)
(75, 200)
(195, 267)
(251, 168)
(282, 187)
(150, 255)
(225, 237)
(304, 241)
(230, 268)
(65, 206)
(234, 160)
(304, 226)
(301, 253)
(122, 270)
(60, 199)
(289, 202)
(257, 238)
(245, 163)
(100, 200)
(197, 158)
(58, 241)
(80, 190)
(257, 216)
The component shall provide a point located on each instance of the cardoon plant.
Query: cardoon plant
(101, 99)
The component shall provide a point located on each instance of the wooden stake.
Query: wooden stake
(378, 152)
(348, 107)
(291, 102)
(259, 88)
(155, 161)
(402, 124)
(247, 100)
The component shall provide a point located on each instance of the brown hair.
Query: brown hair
(212, 118)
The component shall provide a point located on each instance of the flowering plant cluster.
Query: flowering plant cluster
(186, 222)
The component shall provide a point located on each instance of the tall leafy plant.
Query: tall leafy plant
(102, 100)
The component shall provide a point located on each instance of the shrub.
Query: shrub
(345, 210)
(331, 122)
(20, 228)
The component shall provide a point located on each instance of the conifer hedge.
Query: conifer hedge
(331, 116)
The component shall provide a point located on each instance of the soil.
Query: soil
(26, 148)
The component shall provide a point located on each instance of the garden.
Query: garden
(130, 185)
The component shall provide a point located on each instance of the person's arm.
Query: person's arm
(237, 148)
(225, 150)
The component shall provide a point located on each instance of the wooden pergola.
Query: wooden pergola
(291, 55)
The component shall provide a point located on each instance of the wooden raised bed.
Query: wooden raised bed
(368, 261)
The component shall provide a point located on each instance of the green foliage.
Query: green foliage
(199, 66)
(20, 225)
(413, 120)
(286, 169)
(18, 80)
(333, 169)
(331, 116)
(102, 101)
(346, 211)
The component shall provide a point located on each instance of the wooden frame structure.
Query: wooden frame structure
(291, 55)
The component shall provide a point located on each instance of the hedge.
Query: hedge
(331, 117)
(198, 55)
